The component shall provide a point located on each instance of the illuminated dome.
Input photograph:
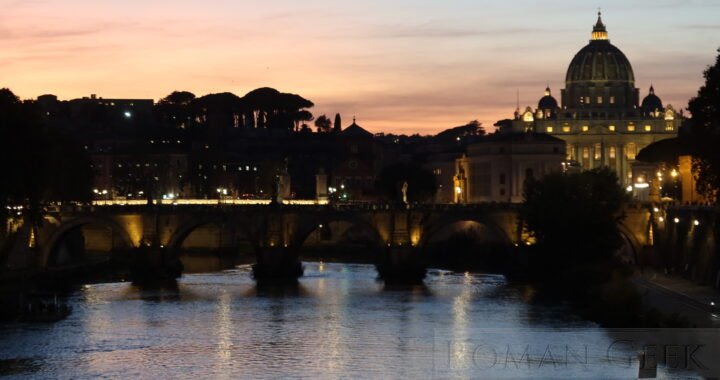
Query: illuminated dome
(652, 102)
(599, 60)
(600, 76)
(547, 102)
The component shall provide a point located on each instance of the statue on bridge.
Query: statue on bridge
(283, 184)
(404, 192)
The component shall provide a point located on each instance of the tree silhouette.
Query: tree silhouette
(273, 109)
(705, 132)
(323, 124)
(39, 165)
(176, 109)
(473, 128)
(302, 116)
(337, 126)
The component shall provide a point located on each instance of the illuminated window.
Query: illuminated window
(528, 116)
(597, 151)
(648, 128)
(612, 152)
(585, 128)
(585, 152)
(612, 128)
(631, 128)
(570, 152)
(587, 99)
(612, 100)
(566, 129)
(669, 127)
(549, 129)
(631, 151)
(599, 100)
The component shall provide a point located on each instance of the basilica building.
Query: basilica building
(600, 117)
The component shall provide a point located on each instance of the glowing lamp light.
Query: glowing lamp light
(628, 189)
(661, 219)
(458, 189)
(696, 222)
(676, 220)
(641, 185)
(128, 114)
(674, 173)
(656, 209)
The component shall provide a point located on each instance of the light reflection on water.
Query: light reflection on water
(338, 322)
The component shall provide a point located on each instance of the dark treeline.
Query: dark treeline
(189, 146)
(40, 164)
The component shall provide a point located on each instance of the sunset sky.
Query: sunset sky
(400, 66)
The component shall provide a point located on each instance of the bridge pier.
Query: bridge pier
(277, 264)
(402, 264)
(154, 264)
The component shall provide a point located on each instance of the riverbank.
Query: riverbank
(673, 295)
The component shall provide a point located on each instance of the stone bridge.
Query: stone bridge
(277, 232)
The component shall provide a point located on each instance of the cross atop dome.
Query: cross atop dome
(599, 32)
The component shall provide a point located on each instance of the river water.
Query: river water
(339, 322)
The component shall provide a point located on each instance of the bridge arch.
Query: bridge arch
(309, 224)
(225, 224)
(434, 227)
(51, 243)
(631, 247)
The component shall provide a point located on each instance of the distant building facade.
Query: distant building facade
(496, 167)
(600, 116)
(357, 163)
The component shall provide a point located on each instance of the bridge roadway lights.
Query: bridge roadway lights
(277, 265)
(402, 264)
